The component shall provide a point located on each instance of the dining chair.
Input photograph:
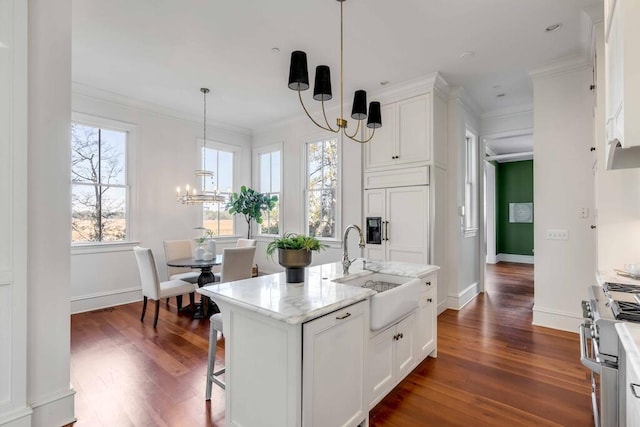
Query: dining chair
(243, 243)
(153, 288)
(215, 326)
(236, 265)
(176, 249)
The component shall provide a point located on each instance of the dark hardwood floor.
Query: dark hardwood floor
(493, 368)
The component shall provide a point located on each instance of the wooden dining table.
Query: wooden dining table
(206, 276)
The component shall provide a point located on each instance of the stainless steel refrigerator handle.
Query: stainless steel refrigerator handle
(386, 230)
(586, 361)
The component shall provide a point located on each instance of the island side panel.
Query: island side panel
(263, 369)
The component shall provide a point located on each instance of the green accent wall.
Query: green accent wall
(514, 184)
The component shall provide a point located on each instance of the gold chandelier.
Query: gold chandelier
(299, 81)
(192, 196)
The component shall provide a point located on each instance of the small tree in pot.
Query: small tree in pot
(251, 204)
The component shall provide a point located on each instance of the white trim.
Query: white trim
(461, 95)
(130, 167)
(564, 66)
(509, 111)
(555, 319)
(457, 302)
(256, 153)
(54, 409)
(512, 157)
(314, 138)
(128, 102)
(522, 259)
(18, 418)
(102, 247)
(442, 307)
(99, 300)
(470, 232)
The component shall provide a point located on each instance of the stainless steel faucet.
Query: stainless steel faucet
(346, 262)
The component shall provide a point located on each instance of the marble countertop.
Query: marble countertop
(612, 276)
(629, 334)
(318, 295)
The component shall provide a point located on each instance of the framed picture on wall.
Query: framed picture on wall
(521, 212)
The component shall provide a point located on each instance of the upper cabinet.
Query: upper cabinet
(405, 137)
(622, 74)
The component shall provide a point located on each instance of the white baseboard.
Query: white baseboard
(56, 409)
(18, 418)
(456, 302)
(442, 307)
(555, 319)
(491, 259)
(523, 259)
(80, 304)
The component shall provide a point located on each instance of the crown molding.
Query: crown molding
(460, 94)
(125, 101)
(508, 112)
(562, 66)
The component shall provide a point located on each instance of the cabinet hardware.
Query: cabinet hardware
(343, 317)
(427, 283)
(401, 335)
(592, 87)
(633, 390)
(395, 337)
(429, 300)
(386, 230)
(593, 227)
(592, 149)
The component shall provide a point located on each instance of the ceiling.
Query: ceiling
(163, 51)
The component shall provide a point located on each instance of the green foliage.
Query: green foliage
(206, 235)
(295, 241)
(251, 204)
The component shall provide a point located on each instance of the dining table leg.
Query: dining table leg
(206, 277)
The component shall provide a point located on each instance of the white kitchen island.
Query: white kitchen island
(295, 353)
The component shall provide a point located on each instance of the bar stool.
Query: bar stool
(215, 322)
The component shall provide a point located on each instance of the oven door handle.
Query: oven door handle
(586, 361)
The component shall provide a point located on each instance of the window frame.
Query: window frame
(237, 152)
(257, 152)
(470, 204)
(131, 216)
(311, 139)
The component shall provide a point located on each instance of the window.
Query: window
(219, 159)
(100, 190)
(322, 188)
(268, 174)
(471, 185)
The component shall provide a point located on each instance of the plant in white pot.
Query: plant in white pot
(251, 204)
(294, 253)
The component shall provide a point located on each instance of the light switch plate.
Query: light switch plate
(557, 234)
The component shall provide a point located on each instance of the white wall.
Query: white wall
(49, 391)
(563, 183)
(505, 123)
(463, 252)
(14, 406)
(166, 155)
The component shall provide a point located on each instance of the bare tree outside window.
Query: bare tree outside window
(99, 187)
(322, 188)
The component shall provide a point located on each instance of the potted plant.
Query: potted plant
(206, 246)
(251, 204)
(294, 253)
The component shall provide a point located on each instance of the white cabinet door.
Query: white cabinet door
(427, 321)
(407, 213)
(622, 75)
(380, 151)
(380, 369)
(334, 348)
(405, 223)
(405, 135)
(633, 396)
(405, 348)
(391, 356)
(414, 130)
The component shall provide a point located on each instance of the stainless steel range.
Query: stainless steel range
(607, 305)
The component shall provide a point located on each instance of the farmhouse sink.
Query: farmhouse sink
(396, 296)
